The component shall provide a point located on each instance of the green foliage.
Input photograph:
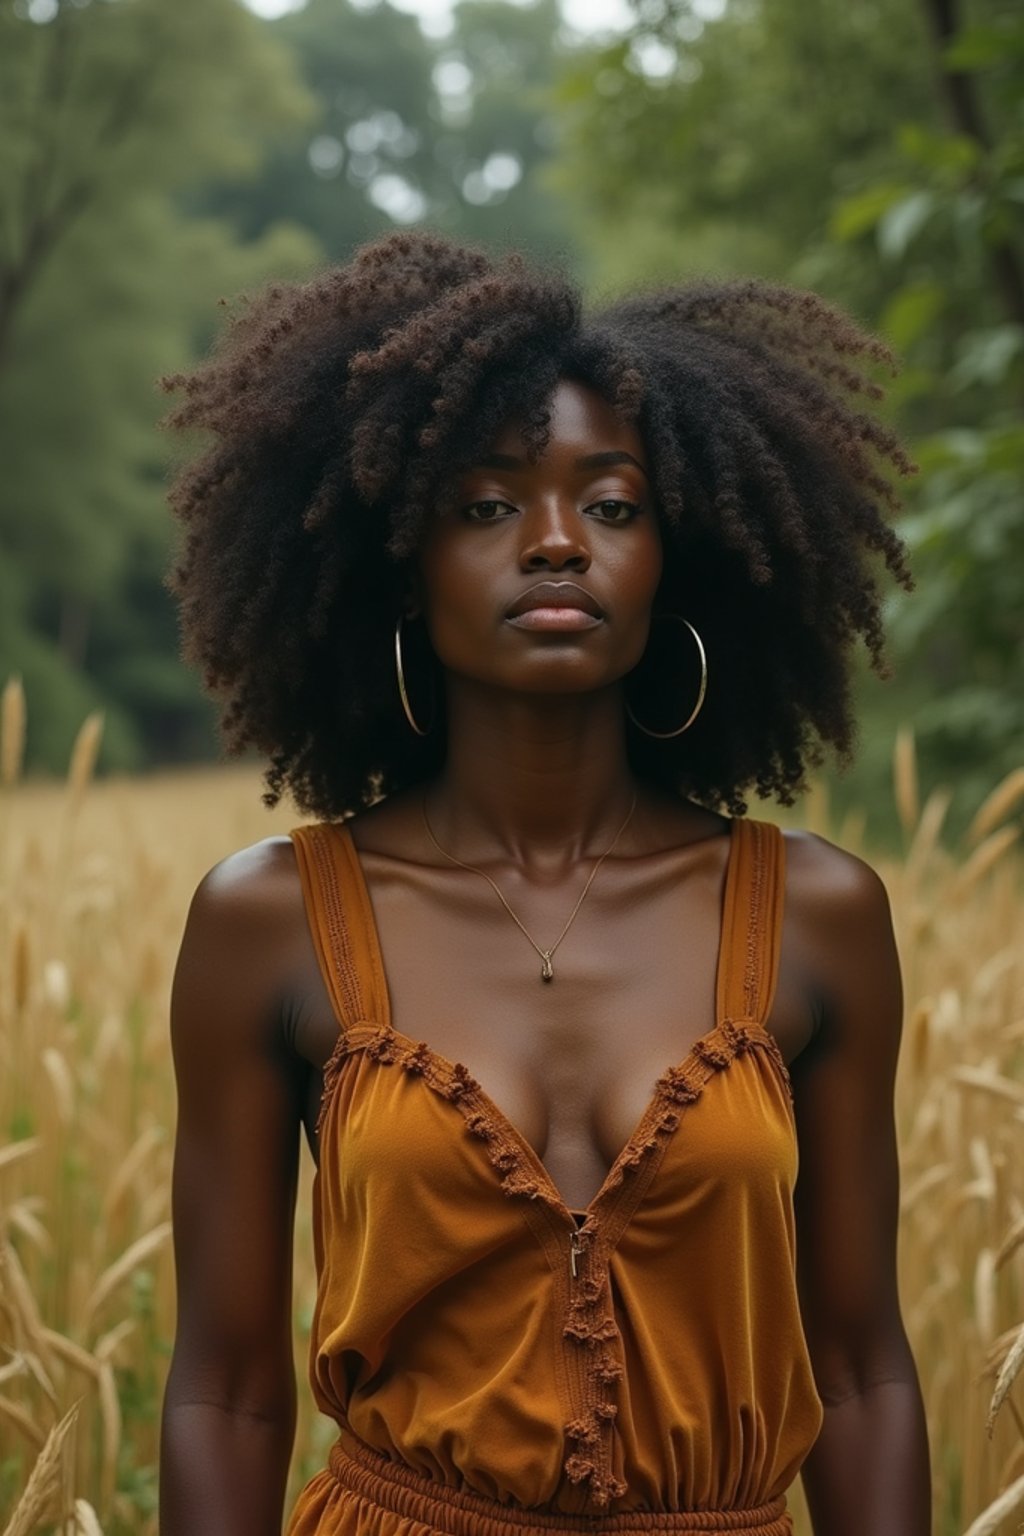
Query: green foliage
(368, 76)
(454, 132)
(505, 125)
(761, 119)
(141, 180)
(106, 112)
(853, 153)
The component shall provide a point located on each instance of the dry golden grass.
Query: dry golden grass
(94, 884)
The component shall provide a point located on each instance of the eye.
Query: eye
(487, 511)
(611, 510)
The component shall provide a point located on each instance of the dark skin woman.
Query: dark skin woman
(433, 438)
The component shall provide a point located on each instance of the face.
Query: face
(539, 578)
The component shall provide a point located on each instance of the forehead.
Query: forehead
(580, 419)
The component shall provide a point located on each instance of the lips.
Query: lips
(556, 594)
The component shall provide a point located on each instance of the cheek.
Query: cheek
(643, 566)
(655, 565)
(452, 590)
(436, 572)
(637, 587)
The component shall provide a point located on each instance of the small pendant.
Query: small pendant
(546, 972)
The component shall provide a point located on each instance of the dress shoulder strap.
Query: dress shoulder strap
(748, 961)
(341, 922)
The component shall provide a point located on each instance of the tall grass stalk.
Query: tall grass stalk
(89, 926)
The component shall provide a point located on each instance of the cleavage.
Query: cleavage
(571, 1064)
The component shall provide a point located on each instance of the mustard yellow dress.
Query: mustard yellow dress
(497, 1363)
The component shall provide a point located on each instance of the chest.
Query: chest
(572, 1062)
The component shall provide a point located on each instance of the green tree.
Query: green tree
(875, 153)
(502, 130)
(724, 144)
(141, 177)
(955, 204)
(365, 151)
(109, 110)
(454, 132)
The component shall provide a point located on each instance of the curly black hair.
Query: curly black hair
(344, 407)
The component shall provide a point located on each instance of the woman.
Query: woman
(514, 602)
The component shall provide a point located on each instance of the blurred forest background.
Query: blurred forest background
(155, 156)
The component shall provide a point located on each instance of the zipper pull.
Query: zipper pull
(575, 1249)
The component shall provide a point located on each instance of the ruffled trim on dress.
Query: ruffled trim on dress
(677, 1088)
(449, 1080)
(591, 1327)
(590, 1323)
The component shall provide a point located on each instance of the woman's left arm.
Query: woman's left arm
(868, 1473)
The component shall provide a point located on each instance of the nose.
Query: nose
(554, 539)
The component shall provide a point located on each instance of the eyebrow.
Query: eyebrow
(605, 460)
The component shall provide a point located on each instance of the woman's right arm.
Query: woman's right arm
(229, 1408)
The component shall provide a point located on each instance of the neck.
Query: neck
(535, 780)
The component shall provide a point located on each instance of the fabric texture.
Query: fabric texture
(496, 1363)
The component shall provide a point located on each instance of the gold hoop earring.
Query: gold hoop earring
(702, 690)
(402, 690)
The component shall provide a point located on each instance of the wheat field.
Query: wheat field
(95, 880)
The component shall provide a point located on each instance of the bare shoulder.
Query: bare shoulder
(250, 899)
(243, 937)
(250, 883)
(830, 885)
(839, 935)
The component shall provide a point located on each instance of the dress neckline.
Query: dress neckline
(508, 1148)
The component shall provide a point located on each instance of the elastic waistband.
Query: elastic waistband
(447, 1511)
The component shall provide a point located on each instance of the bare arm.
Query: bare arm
(869, 1469)
(229, 1409)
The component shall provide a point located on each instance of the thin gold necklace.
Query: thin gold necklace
(547, 972)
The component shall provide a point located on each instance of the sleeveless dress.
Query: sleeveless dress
(497, 1363)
